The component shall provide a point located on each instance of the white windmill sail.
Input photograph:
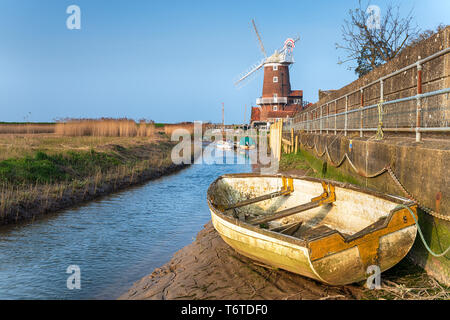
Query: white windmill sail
(249, 72)
(282, 55)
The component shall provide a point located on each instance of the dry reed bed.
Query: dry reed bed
(105, 127)
(22, 145)
(169, 128)
(28, 128)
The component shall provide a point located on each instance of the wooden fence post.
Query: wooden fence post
(292, 140)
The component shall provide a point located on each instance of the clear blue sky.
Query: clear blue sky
(168, 61)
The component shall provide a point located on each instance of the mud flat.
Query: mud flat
(210, 269)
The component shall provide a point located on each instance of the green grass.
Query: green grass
(315, 167)
(59, 159)
(30, 169)
(45, 168)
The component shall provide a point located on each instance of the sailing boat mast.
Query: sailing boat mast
(245, 111)
(223, 121)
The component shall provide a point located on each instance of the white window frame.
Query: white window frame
(275, 79)
(275, 108)
(275, 67)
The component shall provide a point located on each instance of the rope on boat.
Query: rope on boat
(388, 169)
(437, 255)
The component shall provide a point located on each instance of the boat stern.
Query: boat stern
(339, 260)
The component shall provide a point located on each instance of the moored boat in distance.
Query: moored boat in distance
(247, 143)
(224, 145)
(331, 232)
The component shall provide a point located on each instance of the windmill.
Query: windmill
(277, 100)
(282, 55)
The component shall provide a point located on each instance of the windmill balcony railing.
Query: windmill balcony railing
(422, 112)
(271, 100)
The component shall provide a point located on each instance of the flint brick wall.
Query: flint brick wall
(435, 76)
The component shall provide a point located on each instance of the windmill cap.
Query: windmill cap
(277, 57)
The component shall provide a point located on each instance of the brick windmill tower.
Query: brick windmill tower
(278, 101)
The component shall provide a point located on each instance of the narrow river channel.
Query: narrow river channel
(115, 240)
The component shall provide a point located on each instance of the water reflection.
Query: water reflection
(115, 240)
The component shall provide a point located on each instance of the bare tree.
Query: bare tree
(371, 37)
(426, 34)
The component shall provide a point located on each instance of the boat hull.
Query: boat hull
(224, 145)
(258, 247)
(247, 147)
(331, 259)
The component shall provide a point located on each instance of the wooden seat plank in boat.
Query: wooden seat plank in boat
(317, 232)
(288, 229)
(258, 199)
(285, 190)
(286, 212)
(327, 196)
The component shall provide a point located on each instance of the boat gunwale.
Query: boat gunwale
(299, 241)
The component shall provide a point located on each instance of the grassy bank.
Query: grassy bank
(43, 173)
(307, 164)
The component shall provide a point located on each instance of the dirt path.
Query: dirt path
(210, 269)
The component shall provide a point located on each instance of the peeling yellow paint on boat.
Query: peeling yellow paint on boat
(330, 259)
(268, 250)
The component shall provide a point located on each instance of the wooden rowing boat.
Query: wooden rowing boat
(329, 232)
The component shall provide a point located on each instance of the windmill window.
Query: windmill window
(275, 79)
(275, 67)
